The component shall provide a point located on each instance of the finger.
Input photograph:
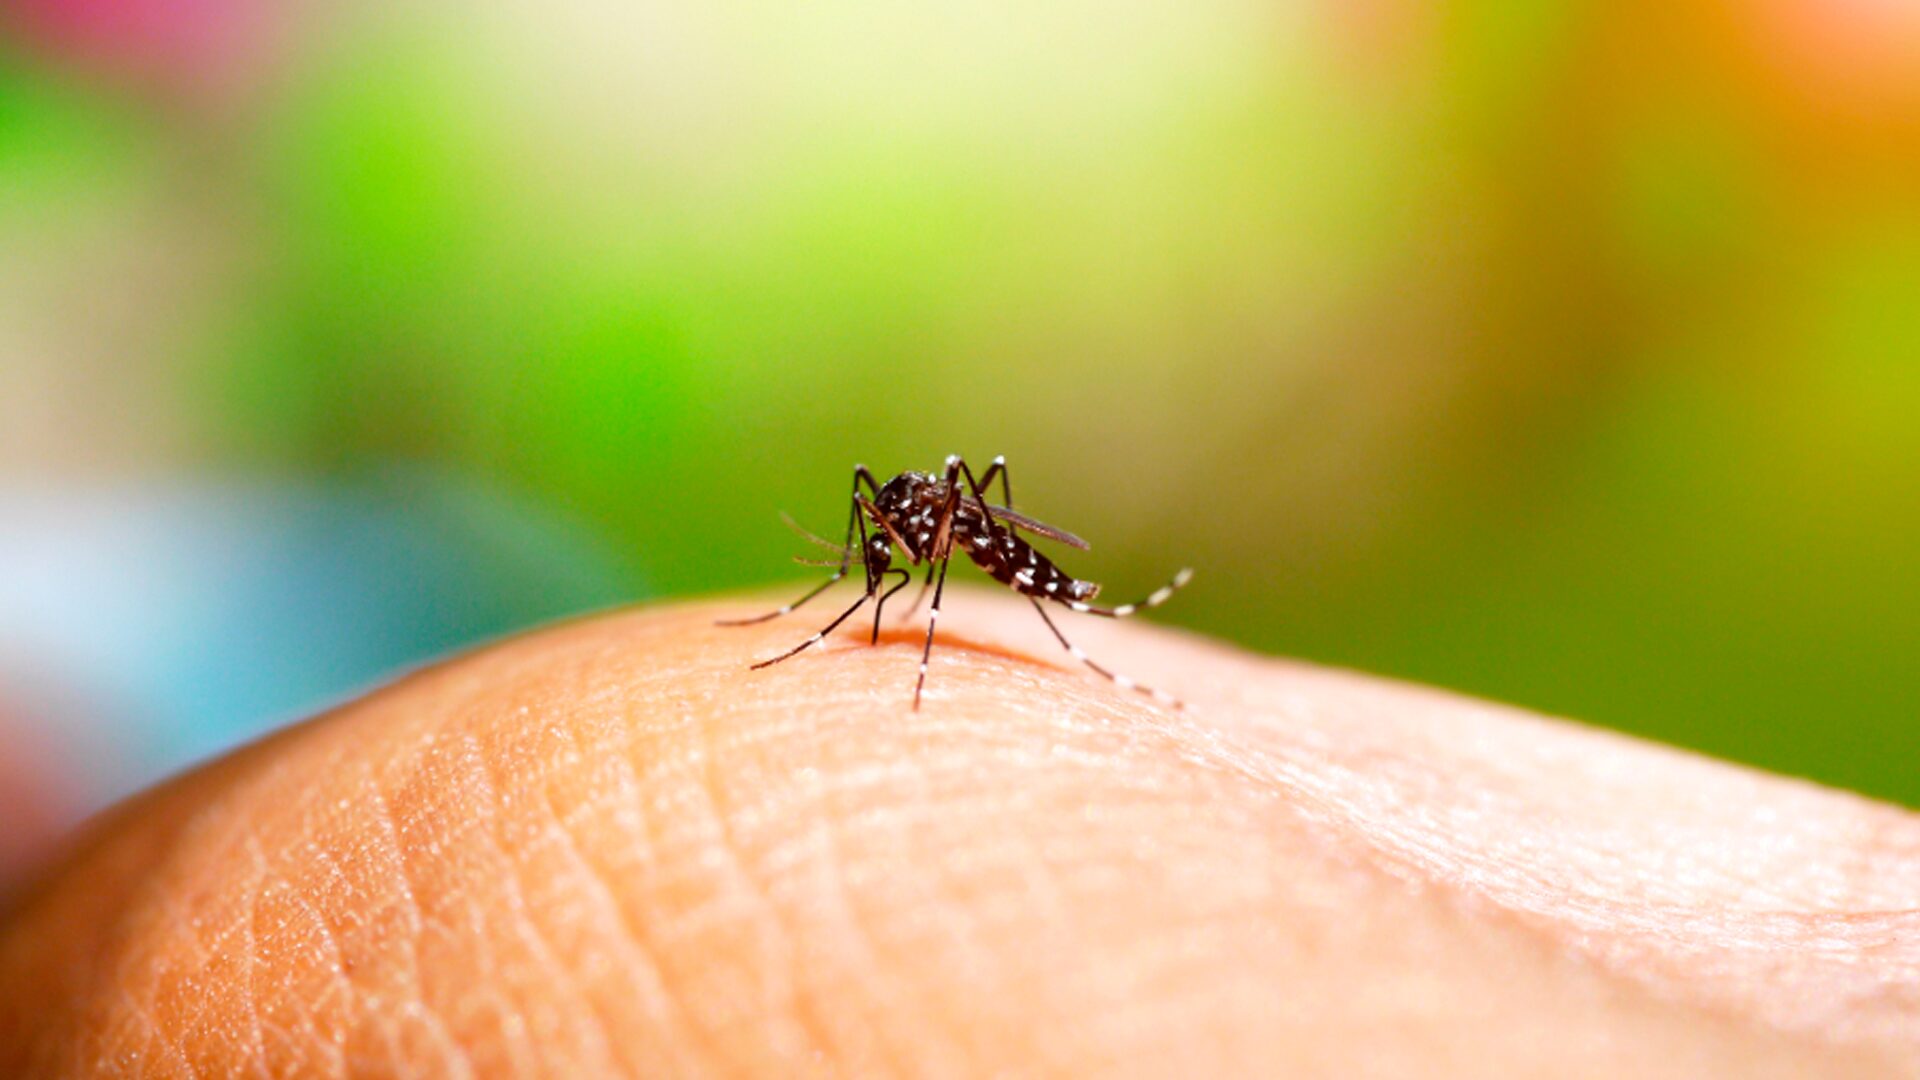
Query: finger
(607, 847)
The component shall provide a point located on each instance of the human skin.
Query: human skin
(608, 847)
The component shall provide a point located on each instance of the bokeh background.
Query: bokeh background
(1567, 354)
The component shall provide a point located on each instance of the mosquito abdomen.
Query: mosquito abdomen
(1015, 563)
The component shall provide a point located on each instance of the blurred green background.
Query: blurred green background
(1564, 354)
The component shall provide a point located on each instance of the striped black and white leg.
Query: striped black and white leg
(956, 465)
(1160, 596)
(998, 467)
(786, 609)
(1124, 682)
(933, 619)
(944, 553)
(815, 639)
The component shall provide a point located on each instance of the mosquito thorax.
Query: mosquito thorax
(903, 492)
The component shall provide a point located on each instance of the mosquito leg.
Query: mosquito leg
(1122, 681)
(1159, 596)
(943, 540)
(846, 555)
(776, 613)
(932, 619)
(997, 468)
(921, 596)
(942, 547)
(905, 577)
(957, 467)
(864, 597)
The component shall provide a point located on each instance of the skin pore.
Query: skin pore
(609, 848)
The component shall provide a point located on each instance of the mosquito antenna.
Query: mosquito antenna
(811, 537)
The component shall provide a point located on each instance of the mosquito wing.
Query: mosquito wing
(1038, 528)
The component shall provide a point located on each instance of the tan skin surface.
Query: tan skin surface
(608, 848)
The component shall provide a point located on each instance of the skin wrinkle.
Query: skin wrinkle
(209, 1013)
(1024, 871)
(627, 939)
(1542, 884)
(333, 883)
(694, 805)
(386, 842)
(487, 996)
(648, 845)
(656, 848)
(852, 942)
(127, 848)
(919, 927)
(813, 1037)
(694, 906)
(765, 844)
(338, 984)
(1158, 972)
(549, 833)
(250, 961)
(415, 814)
(1214, 878)
(981, 882)
(173, 913)
(911, 802)
(1511, 889)
(135, 1012)
(1681, 932)
(141, 1011)
(528, 926)
(849, 790)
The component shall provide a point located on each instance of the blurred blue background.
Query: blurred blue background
(1565, 354)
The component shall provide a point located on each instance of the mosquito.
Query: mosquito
(927, 518)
